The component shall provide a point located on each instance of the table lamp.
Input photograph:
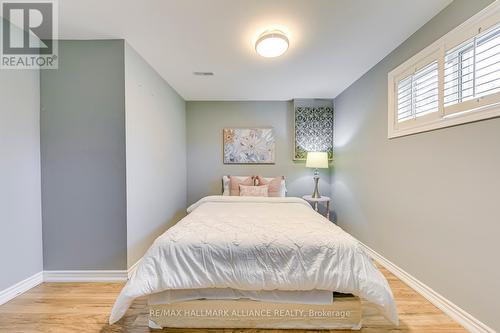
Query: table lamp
(317, 160)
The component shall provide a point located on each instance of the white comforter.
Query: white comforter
(251, 243)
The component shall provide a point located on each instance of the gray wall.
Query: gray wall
(205, 121)
(156, 155)
(83, 158)
(20, 215)
(428, 202)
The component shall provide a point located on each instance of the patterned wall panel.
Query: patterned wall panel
(313, 130)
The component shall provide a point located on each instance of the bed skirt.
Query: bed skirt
(343, 313)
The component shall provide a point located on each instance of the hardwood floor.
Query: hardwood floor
(84, 307)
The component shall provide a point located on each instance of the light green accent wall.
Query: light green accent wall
(428, 202)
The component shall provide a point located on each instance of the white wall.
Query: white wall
(428, 202)
(205, 121)
(20, 212)
(156, 155)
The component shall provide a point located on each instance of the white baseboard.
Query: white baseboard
(85, 276)
(20, 287)
(465, 319)
(471, 323)
(90, 276)
(62, 276)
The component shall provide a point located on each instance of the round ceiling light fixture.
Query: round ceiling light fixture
(271, 44)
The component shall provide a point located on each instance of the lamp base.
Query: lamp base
(316, 194)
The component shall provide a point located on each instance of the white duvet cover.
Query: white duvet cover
(318, 297)
(253, 243)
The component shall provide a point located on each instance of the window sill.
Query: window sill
(448, 121)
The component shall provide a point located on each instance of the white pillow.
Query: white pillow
(254, 191)
(225, 183)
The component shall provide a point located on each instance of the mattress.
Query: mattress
(317, 297)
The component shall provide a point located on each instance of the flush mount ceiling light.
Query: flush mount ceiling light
(271, 44)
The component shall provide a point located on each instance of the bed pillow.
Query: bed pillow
(277, 185)
(235, 182)
(226, 186)
(254, 191)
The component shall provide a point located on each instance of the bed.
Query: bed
(255, 254)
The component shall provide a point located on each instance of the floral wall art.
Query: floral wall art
(249, 146)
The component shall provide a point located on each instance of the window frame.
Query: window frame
(475, 109)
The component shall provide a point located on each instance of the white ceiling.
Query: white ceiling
(332, 42)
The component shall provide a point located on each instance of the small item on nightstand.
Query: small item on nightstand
(317, 160)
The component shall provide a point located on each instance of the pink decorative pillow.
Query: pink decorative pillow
(254, 191)
(274, 185)
(235, 182)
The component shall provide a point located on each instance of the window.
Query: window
(418, 93)
(455, 80)
(472, 69)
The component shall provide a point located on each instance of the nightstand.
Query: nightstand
(315, 201)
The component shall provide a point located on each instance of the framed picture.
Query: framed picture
(313, 131)
(248, 146)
